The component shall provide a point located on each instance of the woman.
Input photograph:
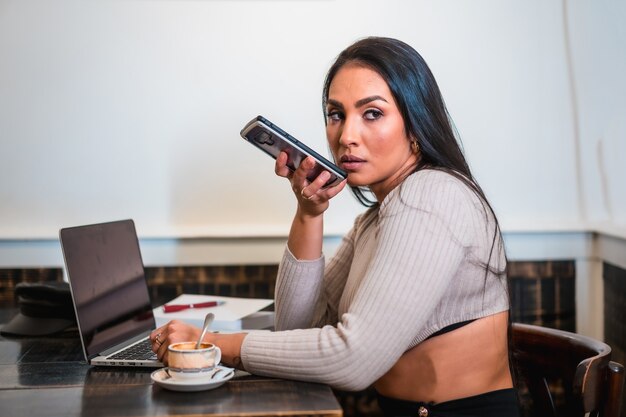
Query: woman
(415, 299)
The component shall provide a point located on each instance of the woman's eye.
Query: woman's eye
(334, 116)
(372, 114)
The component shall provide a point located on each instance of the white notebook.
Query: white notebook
(235, 314)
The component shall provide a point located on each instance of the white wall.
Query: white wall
(598, 56)
(132, 108)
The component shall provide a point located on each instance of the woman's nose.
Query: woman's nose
(349, 134)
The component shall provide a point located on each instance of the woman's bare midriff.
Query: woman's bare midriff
(465, 362)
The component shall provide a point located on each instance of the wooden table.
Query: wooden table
(48, 377)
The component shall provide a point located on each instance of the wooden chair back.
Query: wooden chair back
(565, 374)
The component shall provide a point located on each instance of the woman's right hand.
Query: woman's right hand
(307, 229)
(312, 197)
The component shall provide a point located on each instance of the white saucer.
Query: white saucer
(163, 379)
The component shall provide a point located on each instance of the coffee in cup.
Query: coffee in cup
(186, 362)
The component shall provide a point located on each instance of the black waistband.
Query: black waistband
(451, 327)
(500, 403)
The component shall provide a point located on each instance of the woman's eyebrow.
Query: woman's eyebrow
(366, 100)
(334, 103)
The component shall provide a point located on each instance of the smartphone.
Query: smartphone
(271, 139)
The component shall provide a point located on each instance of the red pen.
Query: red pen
(178, 307)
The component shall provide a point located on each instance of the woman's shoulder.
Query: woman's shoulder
(435, 176)
(436, 186)
(445, 198)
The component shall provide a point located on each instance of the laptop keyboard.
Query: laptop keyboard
(138, 351)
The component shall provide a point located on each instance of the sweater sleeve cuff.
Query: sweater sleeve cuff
(292, 267)
(289, 256)
(246, 347)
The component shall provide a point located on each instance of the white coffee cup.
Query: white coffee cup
(185, 362)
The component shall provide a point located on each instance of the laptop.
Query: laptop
(110, 294)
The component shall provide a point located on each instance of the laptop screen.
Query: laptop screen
(108, 284)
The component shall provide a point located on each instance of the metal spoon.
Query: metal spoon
(208, 319)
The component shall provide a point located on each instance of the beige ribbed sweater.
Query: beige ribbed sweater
(404, 271)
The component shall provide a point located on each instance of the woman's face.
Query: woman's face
(366, 132)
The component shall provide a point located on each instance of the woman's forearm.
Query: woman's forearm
(230, 345)
(306, 235)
